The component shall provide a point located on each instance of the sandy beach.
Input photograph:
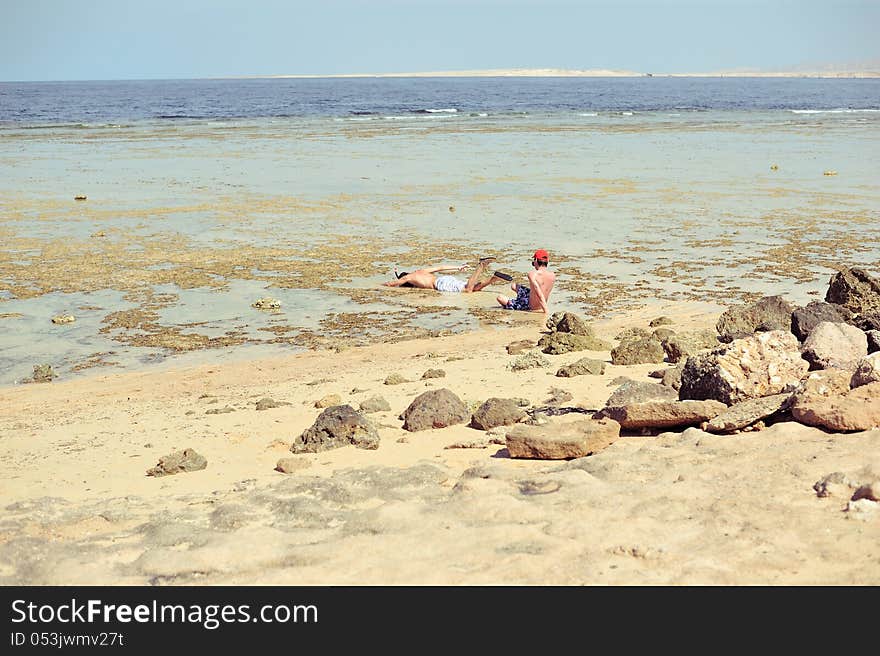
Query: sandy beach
(680, 507)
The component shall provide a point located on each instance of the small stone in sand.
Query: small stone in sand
(178, 462)
(64, 318)
(265, 403)
(79, 197)
(220, 411)
(434, 373)
(290, 465)
(529, 360)
(395, 379)
(328, 401)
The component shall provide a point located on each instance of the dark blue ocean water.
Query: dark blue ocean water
(24, 104)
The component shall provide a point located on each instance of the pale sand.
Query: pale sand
(679, 508)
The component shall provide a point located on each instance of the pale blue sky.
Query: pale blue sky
(118, 39)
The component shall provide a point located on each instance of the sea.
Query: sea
(157, 212)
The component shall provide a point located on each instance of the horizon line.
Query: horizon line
(504, 72)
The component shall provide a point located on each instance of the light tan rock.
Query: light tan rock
(664, 414)
(562, 441)
(857, 410)
(328, 401)
(290, 465)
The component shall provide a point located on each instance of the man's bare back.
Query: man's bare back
(536, 296)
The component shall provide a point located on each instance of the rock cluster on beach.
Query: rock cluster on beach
(765, 362)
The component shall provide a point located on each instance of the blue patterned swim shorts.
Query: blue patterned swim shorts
(521, 302)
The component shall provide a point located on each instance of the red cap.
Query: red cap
(541, 254)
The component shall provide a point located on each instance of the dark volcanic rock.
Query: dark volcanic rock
(435, 409)
(337, 426)
(804, 319)
(497, 412)
(873, 340)
(766, 314)
(856, 290)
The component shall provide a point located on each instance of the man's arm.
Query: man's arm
(535, 285)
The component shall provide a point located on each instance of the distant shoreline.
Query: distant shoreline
(558, 72)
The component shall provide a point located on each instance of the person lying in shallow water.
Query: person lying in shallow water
(428, 279)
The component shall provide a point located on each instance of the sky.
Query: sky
(159, 39)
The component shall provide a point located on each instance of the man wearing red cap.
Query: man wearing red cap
(534, 297)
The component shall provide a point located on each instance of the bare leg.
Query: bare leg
(473, 284)
(502, 300)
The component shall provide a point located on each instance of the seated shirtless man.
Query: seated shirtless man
(426, 278)
(534, 297)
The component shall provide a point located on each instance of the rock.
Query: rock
(558, 396)
(620, 380)
(220, 411)
(395, 379)
(863, 509)
(873, 340)
(64, 318)
(529, 361)
(856, 290)
(375, 404)
(43, 373)
(558, 343)
(434, 373)
(290, 465)
(857, 410)
(568, 322)
(178, 462)
(664, 414)
(571, 323)
(515, 348)
(834, 484)
(804, 319)
(868, 491)
(329, 400)
(640, 392)
(657, 373)
(266, 303)
(497, 412)
(825, 383)
(867, 370)
(584, 366)
(760, 365)
(672, 376)
(521, 402)
(768, 313)
(641, 351)
(663, 333)
(866, 322)
(661, 321)
(748, 412)
(633, 334)
(266, 403)
(336, 427)
(834, 346)
(562, 441)
(435, 409)
(680, 346)
(79, 197)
